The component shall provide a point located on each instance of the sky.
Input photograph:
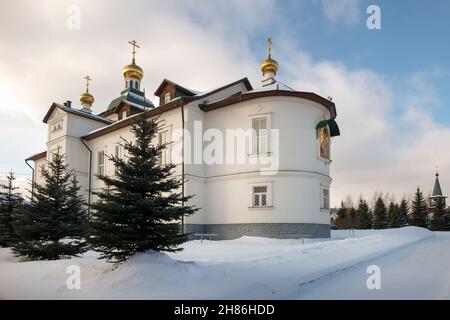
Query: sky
(390, 86)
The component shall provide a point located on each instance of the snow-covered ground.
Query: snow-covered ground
(248, 268)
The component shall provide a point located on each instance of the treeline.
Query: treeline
(138, 210)
(385, 213)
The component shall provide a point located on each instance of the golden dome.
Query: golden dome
(133, 71)
(86, 98)
(269, 65)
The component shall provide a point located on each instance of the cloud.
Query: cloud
(342, 11)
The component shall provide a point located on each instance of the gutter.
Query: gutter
(182, 162)
(89, 177)
(32, 179)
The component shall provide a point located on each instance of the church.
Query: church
(253, 197)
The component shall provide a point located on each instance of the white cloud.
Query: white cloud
(342, 11)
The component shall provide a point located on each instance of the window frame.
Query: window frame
(268, 193)
(255, 149)
(167, 97)
(101, 166)
(325, 206)
(165, 153)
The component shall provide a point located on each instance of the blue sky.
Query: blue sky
(390, 85)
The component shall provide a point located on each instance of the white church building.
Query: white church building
(275, 182)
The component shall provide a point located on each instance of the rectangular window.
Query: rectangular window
(259, 126)
(260, 196)
(57, 126)
(124, 114)
(101, 162)
(163, 138)
(325, 201)
(167, 97)
(118, 153)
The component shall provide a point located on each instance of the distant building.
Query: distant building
(437, 195)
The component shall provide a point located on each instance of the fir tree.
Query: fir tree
(9, 207)
(341, 217)
(438, 218)
(419, 215)
(393, 213)
(380, 217)
(403, 213)
(365, 217)
(141, 207)
(51, 227)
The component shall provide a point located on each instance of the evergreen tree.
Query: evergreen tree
(380, 216)
(365, 217)
(393, 213)
(403, 213)
(140, 209)
(9, 205)
(51, 227)
(438, 218)
(419, 214)
(353, 218)
(341, 217)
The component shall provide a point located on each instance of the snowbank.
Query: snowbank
(253, 268)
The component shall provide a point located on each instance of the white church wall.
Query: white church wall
(295, 199)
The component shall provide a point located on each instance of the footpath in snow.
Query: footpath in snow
(246, 268)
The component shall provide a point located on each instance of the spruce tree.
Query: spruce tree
(141, 207)
(341, 217)
(438, 218)
(419, 214)
(393, 213)
(380, 216)
(51, 227)
(403, 213)
(9, 207)
(365, 217)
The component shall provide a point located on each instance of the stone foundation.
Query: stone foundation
(266, 230)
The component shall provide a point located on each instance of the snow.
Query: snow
(246, 268)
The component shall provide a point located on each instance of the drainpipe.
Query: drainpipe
(182, 161)
(89, 177)
(32, 179)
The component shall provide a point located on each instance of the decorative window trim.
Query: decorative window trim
(268, 193)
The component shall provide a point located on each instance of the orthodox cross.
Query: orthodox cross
(87, 82)
(135, 45)
(269, 45)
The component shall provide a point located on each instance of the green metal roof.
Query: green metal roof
(437, 191)
(133, 96)
(332, 125)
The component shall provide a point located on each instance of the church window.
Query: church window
(124, 114)
(167, 97)
(261, 196)
(325, 199)
(57, 126)
(260, 140)
(118, 153)
(101, 162)
(163, 138)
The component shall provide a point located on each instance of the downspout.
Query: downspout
(89, 177)
(182, 161)
(32, 179)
